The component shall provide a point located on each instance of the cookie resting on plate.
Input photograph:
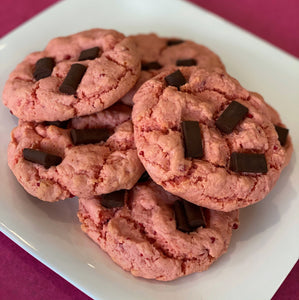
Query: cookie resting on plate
(76, 75)
(203, 137)
(158, 53)
(95, 154)
(139, 231)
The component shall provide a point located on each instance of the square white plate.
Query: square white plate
(264, 248)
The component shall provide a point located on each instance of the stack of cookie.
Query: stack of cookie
(160, 145)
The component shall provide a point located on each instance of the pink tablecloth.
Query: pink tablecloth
(277, 21)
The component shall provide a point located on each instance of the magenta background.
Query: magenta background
(277, 21)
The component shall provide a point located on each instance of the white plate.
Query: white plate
(265, 247)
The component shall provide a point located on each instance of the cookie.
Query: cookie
(78, 167)
(142, 235)
(76, 75)
(238, 156)
(158, 53)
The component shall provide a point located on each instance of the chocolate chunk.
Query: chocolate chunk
(90, 136)
(186, 62)
(175, 79)
(282, 134)
(43, 68)
(60, 124)
(90, 53)
(194, 215)
(188, 216)
(180, 217)
(72, 79)
(42, 158)
(114, 199)
(144, 177)
(174, 42)
(231, 117)
(192, 139)
(248, 162)
(154, 65)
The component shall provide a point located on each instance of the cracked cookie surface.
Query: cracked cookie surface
(153, 48)
(89, 169)
(142, 237)
(108, 77)
(157, 115)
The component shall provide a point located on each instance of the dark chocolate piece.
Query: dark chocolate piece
(114, 199)
(60, 124)
(192, 139)
(175, 79)
(248, 162)
(90, 136)
(90, 53)
(194, 215)
(180, 217)
(174, 42)
(154, 65)
(186, 62)
(72, 79)
(282, 134)
(43, 68)
(144, 177)
(42, 158)
(231, 117)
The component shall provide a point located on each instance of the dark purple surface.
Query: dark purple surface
(24, 277)
(21, 275)
(275, 21)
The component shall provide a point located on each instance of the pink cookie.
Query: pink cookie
(142, 237)
(86, 169)
(112, 68)
(158, 53)
(212, 180)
